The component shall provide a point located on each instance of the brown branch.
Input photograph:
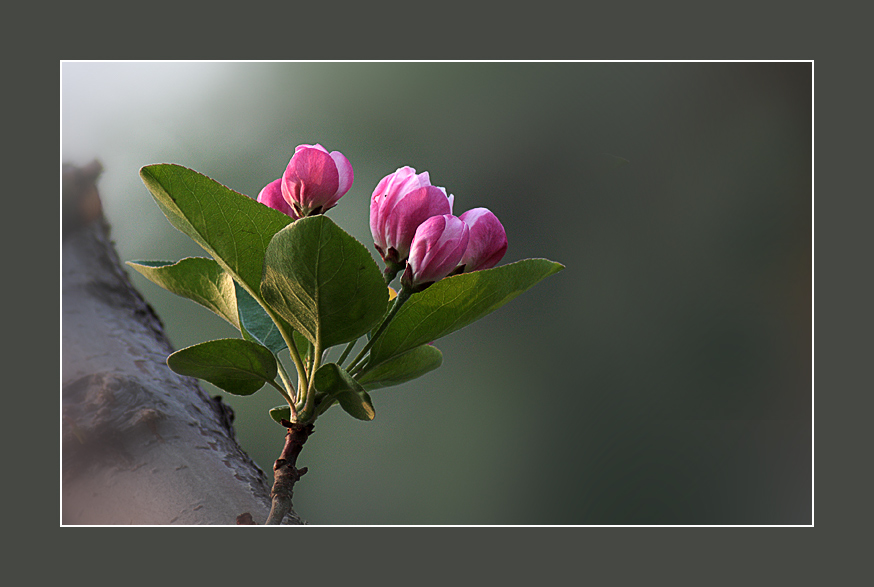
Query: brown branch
(285, 472)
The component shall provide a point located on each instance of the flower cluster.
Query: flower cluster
(411, 221)
(304, 286)
(414, 229)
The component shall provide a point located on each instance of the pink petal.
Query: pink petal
(344, 170)
(311, 178)
(437, 248)
(271, 196)
(411, 211)
(316, 146)
(488, 240)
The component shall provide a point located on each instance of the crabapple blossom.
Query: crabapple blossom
(435, 252)
(315, 179)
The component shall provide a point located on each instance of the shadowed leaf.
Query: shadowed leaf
(336, 382)
(404, 367)
(455, 302)
(235, 365)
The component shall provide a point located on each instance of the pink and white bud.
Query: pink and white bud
(315, 180)
(436, 251)
(271, 196)
(400, 203)
(488, 240)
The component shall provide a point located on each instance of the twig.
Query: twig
(285, 473)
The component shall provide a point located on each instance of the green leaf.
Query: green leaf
(205, 282)
(336, 382)
(323, 282)
(234, 229)
(280, 413)
(303, 345)
(256, 325)
(235, 365)
(404, 367)
(455, 302)
(198, 279)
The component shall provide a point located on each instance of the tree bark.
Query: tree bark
(140, 444)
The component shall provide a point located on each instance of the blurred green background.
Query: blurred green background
(664, 377)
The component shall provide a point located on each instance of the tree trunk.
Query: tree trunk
(140, 444)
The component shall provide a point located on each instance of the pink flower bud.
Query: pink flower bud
(400, 203)
(436, 250)
(271, 196)
(488, 240)
(315, 180)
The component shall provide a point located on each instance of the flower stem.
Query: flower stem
(346, 352)
(391, 270)
(289, 342)
(403, 296)
(310, 390)
(289, 393)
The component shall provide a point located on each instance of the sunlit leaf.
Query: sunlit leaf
(233, 228)
(323, 282)
(196, 278)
